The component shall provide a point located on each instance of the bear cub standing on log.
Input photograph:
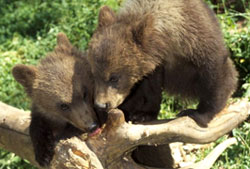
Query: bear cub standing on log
(182, 36)
(61, 89)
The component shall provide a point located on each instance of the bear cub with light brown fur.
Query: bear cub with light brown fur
(61, 90)
(183, 37)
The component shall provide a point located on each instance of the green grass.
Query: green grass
(28, 30)
(11, 161)
(236, 156)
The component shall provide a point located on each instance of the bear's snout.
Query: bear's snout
(94, 126)
(102, 106)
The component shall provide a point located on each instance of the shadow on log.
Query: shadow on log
(112, 148)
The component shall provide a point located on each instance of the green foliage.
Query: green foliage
(234, 17)
(11, 161)
(236, 156)
(236, 28)
(222, 6)
(28, 30)
(170, 106)
(28, 17)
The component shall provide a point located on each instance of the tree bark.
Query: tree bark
(111, 149)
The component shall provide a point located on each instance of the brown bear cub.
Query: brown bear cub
(181, 36)
(61, 90)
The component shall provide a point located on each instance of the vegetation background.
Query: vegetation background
(28, 30)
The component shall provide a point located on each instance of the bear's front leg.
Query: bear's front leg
(211, 103)
(200, 118)
(42, 139)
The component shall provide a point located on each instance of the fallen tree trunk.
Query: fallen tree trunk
(113, 146)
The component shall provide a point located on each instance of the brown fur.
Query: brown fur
(62, 77)
(61, 90)
(143, 102)
(182, 36)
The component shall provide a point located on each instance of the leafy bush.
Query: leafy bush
(28, 31)
(11, 161)
(237, 156)
(222, 6)
(236, 28)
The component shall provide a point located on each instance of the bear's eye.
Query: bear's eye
(64, 107)
(114, 79)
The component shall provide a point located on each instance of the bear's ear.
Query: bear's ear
(25, 75)
(62, 39)
(106, 17)
(142, 30)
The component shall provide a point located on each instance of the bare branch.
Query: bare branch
(14, 129)
(112, 148)
(212, 157)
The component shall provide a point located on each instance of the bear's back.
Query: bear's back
(182, 28)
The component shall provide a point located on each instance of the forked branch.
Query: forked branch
(112, 148)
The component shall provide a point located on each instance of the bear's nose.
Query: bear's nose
(101, 106)
(93, 127)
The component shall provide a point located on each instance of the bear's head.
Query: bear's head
(118, 57)
(61, 86)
